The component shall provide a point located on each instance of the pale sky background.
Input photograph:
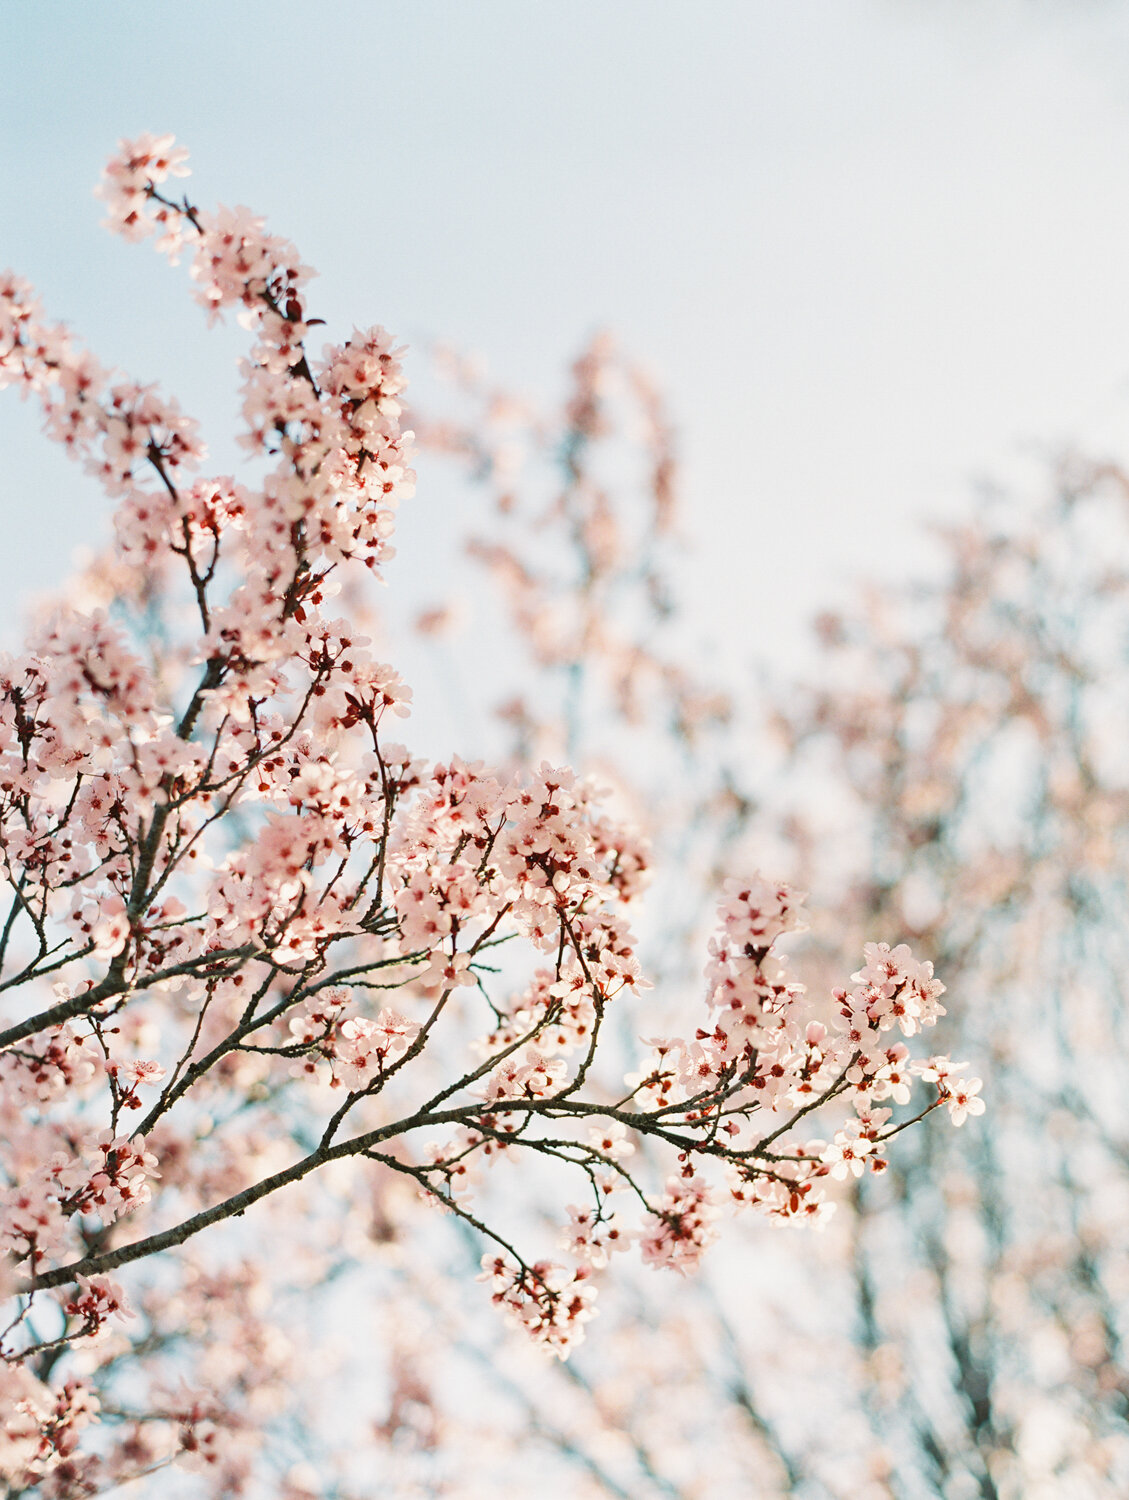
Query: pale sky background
(873, 249)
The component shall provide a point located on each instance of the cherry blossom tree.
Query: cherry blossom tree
(960, 1330)
(973, 730)
(258, 960)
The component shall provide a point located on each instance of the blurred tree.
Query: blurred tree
(960, 1331)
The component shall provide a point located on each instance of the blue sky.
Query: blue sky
(872, 249)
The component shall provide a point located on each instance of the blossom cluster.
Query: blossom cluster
(549, 1302)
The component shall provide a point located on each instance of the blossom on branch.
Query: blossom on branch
(250, 937)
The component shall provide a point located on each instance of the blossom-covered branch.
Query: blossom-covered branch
(250, 936)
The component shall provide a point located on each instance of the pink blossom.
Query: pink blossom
(961, 1100)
